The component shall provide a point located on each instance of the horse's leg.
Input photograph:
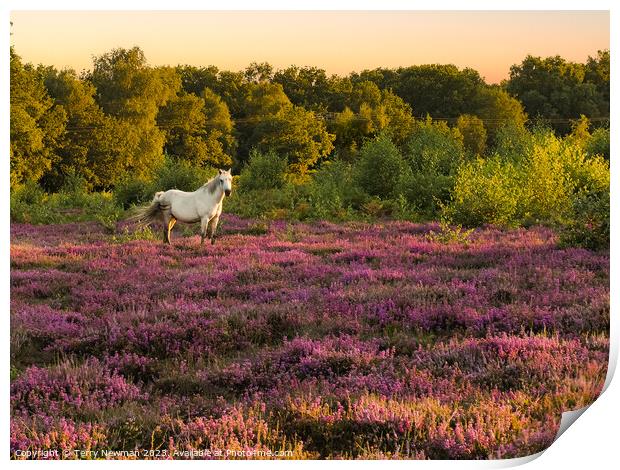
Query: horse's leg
(167, 218)
(213, 227)
(171, 223)
(204, 222)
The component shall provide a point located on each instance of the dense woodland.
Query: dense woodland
(412, 142)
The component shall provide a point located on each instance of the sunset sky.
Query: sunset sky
(337, 41)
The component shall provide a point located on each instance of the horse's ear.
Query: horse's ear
(229, 170)
(221, 171)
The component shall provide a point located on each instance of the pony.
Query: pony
(203, 205)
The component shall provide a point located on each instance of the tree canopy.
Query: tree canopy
(555, 89)
(122, 117)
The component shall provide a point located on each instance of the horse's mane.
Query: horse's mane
(211, 185)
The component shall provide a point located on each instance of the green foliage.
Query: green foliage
(427, 87)
(586, 173)
(598, 144)
(427, 192)
(305, 86)
(140, 129)
(473, 132)
(434, 148)
(132, 93)
(368, 112)
(597, 72)
(30, 204)
(498, 109)
(485, 191)
(263, 171)
(140, 233)
(219, 124)
(580, 131)
(128, 88)
(264, 98)
(27, 204)
(268, 203)
(37, 126)
(295, 132)
(540, 187)
(333, 193)
(380, 168)
(86, 146)
(546, 182)
(555, 88)
(179, 174)
(132, 191)
(198, 129)
(589, 226)
(512, 141)
(450, 234)
(433, 152)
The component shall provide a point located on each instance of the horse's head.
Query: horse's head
(225, 179)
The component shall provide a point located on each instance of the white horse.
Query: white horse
(204, 205)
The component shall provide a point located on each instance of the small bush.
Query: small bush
(485, 191)
(598, 144)
(542, 186)
(473, 132)
(512, 142)
(263, 171)
(450, 234)
(261, 202)
(434, 148)
(332, 191)
(546, 183)
(30, 204)
(427, 193)
(589, 226)
(380, 168)
(140, 233)
(132, 191)
(179, 174)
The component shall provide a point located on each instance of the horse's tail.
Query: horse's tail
(146, 214)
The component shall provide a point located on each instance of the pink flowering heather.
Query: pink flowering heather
(322, 340)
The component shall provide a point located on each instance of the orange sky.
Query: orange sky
(337, 41)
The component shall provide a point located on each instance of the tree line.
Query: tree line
(123, 116)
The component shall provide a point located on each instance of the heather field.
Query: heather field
(313, 340)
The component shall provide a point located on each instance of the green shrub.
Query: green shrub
(28, 193)
(598, 144)
(485, 191)
(29, 204)
(270, 203)
(332, 193)
(132, 191)
(589, 226)
(427, 193)
(546, 183)
(474, 133)
(263, 171)
(586, 173)
(512, 142)
(380, 168)
(179, 174)
(450, 234)
(434, 148)
(542, 186)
